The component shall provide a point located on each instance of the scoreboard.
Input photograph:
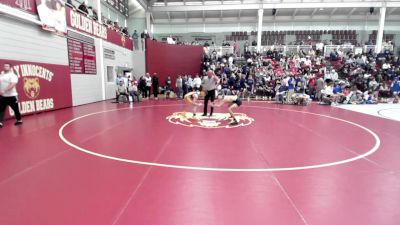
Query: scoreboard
(119, 5)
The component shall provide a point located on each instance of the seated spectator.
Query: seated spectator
(396, 89)
(281, 92)
(384, 92)
(133, 90)
(369, 98)
(334, 56)
(328, 96)
(121, 90)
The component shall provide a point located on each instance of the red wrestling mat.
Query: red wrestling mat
(151, 164)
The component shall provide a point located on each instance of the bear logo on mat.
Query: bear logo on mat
(218, 120)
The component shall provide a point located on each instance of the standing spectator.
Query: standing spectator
(320, 84)
(190, 83)
(156, 86)
(209, 84)
(135, 38)
(290, 84)
(179, 86)
(185, 85)
(246, 46)
(148, 85)
(8, 94)
(235, 47)
(142, 87)
(83, 7)
(168, 87)
(197, 83)
(143, 36)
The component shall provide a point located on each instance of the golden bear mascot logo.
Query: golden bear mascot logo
(31, 87)
(218, 120)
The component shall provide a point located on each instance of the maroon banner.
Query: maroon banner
(28, 6)
(41, 87)
(82, 57)
(120, 40)
(82, 23)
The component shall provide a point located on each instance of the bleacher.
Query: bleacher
(280, 37)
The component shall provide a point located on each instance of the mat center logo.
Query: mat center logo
(218, 120)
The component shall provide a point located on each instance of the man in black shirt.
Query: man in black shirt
(145, 35)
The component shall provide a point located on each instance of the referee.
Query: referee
(209, 83)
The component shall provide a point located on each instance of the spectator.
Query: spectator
(179, 87)
(83, 7)
(281, 91)
(133, 90)
(396, 89)
(197, 83)
(121, 90)
(135, 38)
(156, 85)
(170, 40)
(290, 84)
(120, 79)
(148, 79)
(9, 94)
(320, 86)
(143, 36)
(168, 87)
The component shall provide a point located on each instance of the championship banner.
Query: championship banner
(41, 87)
(28, 6)
(82, 23)
(52, 15)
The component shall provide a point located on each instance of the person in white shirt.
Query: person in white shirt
(170, 40)
(319, 46)
(121, 90)
(386, 66)
(8, 94)
(147, 78)
(334, 75)
(329, 95)
(196, 83)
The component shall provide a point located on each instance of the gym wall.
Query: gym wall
(172, 60)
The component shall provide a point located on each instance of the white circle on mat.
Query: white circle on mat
(357, 157)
